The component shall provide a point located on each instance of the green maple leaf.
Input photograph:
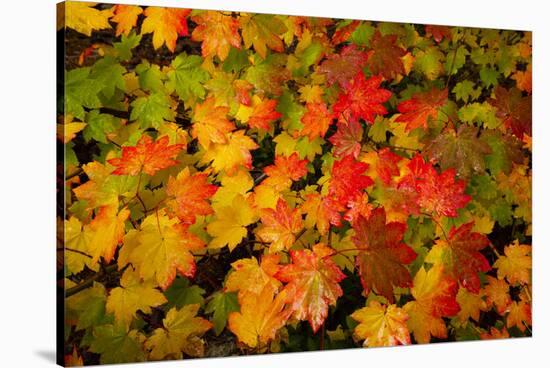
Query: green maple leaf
(116, 345)
(292, 112)
(125, 46)
(428, 62)
(81, 91)
(152, 110)
(236, 61)
(465, 91)
(109, 73)
(181, 293)
(99, 125)
(489, 76)
(506, 149)
(221, 305)
(151, 78)
(187, 77)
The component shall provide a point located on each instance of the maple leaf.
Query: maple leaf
(515, 265)
(385, 163)
(344, 32)
(131, 296)
(514, 110)
(343, 66)
(279, 226)
(519, 315)
(84, 18)
(163, 249)
(438, 32)
(190, 194)
(188, 77)
(347, 139)
(146, 156)
(471, 305)
(321, 212)
(76, 243)
(497, 293)
(316, 120)
(315, 278)
(116, 344)
(249, 276)
(234, 154)
(229, 226)
(262, 114)
(284, 171)
(126, 18)
(166, 24)
(382, 254)
(437, 193)
(210, 123)
(381, 325)
(423, 106)
(181, 332)
(461, 149)
(495, 334)
(385, 58)
(459, 254)
(218, 32)
(347, 179)
(262, 31)
(435, 297)
(361, 99)
(73, 360)
(106, 232)
(261, 316)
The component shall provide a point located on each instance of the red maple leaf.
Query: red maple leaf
(342, 67)
(514, 109)
(347, 139)
(382, 254)
(438, 32)
(459, 254)
(147, 156)
(386, 56)
(387, 165)
(361, 99)
(263, 114)
(440, 194)
(347, 179)
(416, 111)
(284, 170)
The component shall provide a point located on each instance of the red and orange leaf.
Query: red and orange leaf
(322, 212)
(497, 293)
(382, 326)
(347, 139)
(126, 18)
(316, 120)
(459, 254)
(343, 33)
(423, 106)
(218, 32)
(261, 316)
(519, 315)
(147, 156)
(495, 333)
(386, 56)
(280, 226)
(189, 195)
(210, 123)
(166, 24)
(435, 297)
(348, 179)
(361, 99)
(284, 171)
(315, 278)
(438, 32)
(382, 254)
(263, 114)
(343, 66)
(440, 194)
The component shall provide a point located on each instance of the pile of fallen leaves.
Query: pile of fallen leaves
(245, 183)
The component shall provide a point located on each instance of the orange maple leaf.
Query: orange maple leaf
(263, 114)
(147, 156)
(347, 139)
(190, 194)
(126, 18)
(417, 111)
(249, 276)
(218, 32)
(382, 254)
(348, 179)
(210, 123)
(315, 278)
(284, 170)
(382, 326)
(316, 120)
(107, 231)
(166, 24)
(279, 226)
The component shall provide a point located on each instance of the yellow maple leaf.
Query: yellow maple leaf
(229, 226)
(131, 296)
(231, 186)
(262, 31)
(166, 24)
(519, 315)
(84, 18)
(497, 293)
(210, 123)
(515, 265)
(126, 18)
(471, 305)
(261, 316)
(164, 248)
(249, 276)
(107, 231)
(382, 326)
(181, 332)
(231, 156)
(76, 246)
